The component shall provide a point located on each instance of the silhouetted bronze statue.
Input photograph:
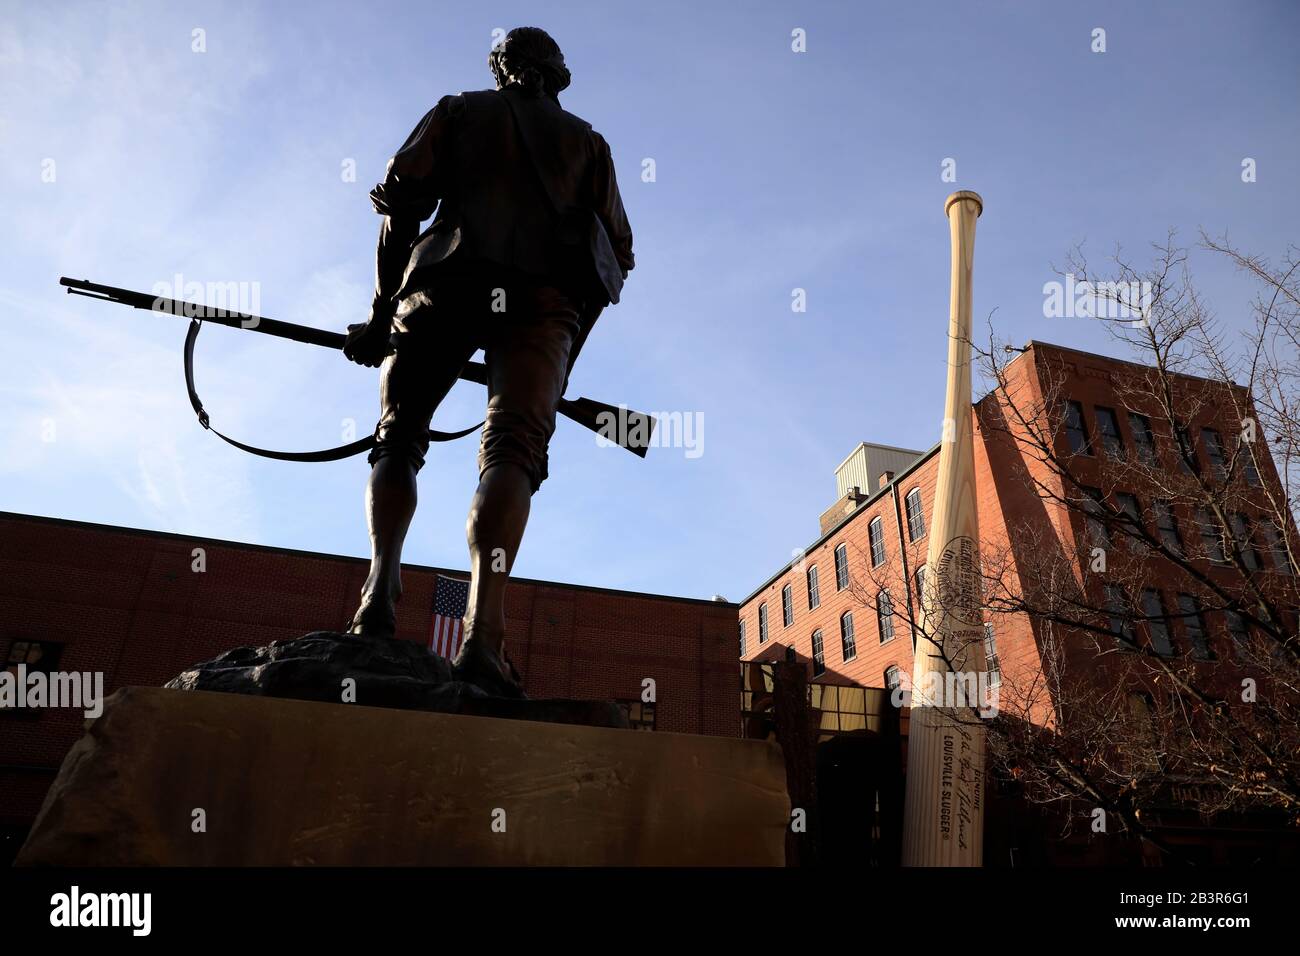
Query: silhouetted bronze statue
(529, 244)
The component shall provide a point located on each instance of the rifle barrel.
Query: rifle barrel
(474, 371)
(226, 317)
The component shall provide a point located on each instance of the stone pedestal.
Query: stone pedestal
(279, 782)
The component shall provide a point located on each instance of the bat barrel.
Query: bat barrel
(962, 208)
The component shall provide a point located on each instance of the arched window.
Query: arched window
(876, 538)
(814, 595)
(762, 623)
(991, 662)
(787, 605)
(841, 567)
(819, 654)
(848, 644)
(915, 517)
(892, 677)
(885, 616)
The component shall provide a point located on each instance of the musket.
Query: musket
(617, 423)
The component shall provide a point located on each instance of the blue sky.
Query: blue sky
(774, 170)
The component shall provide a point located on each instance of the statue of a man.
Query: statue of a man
(529, 244)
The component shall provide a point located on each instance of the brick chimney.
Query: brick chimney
(846, 505)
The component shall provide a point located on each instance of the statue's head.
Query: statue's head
(529, 58)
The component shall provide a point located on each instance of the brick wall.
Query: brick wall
(127, 603)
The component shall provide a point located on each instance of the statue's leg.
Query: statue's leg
(413, 381)
(494, 529)
(527, 360)
(390, 505)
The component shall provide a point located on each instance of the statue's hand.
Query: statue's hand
(367, 344)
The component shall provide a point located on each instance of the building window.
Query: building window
(848, 644)
(919, 578)
(1119, 618)
(1167, 526)
(1094, 510)
(1189, 609)
(893, 677)
(1153, 607)
(640, 715)
(819, 654)
(885, 616)
(814, 594)
(991, 662)
(1108, 427)
(787, 606)
(1277, 545)
(1247, 458)
(915, 517)
(38, 657)
(876, 537)
(1242, 539)
(1143, 753)
(1213, 442)
(1211, 539)
(1144, 439)
(1131, 516)
(1128, 505)
(742, 638)
(1237, 629)
(1075, 429)
(841, 567)
(762, 623)
(1188, 463)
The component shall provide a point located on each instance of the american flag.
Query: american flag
(449, 599)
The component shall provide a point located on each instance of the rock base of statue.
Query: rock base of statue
(421, 770)
(331, 667)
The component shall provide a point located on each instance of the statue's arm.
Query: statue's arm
(407, 196)
(609, 206)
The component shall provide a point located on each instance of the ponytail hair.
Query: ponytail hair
(529, 59)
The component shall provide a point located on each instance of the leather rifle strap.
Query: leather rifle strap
(325, 454)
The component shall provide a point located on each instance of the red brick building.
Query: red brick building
(845, 603)
(88, 597)
(878, 541)
(828, 595)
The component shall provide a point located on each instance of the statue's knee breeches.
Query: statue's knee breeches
(528, 362)
(526, 351)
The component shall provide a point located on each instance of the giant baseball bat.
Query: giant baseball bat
(943, 817)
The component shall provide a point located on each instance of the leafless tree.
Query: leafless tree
(1136, 697)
